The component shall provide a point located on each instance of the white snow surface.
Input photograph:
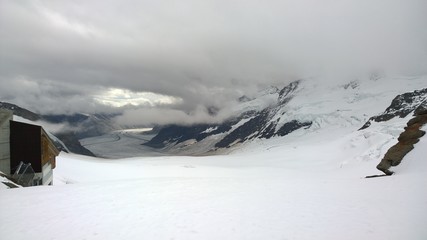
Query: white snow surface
(307, 185)
(288, 191)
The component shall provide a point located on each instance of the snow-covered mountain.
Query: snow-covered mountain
(304, 106)
(309, 105)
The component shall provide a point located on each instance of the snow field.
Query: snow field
(281, 193)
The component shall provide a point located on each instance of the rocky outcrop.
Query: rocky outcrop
(292, 126)
(407, 139)
(174, 134)
(285, 95)
(257, 128)
(251, 129)
(263, 124)
(401, 106)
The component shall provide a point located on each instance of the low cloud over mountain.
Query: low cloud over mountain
(68, 56)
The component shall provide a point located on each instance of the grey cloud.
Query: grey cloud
(44, 96)
(204, 52)
(148, 116)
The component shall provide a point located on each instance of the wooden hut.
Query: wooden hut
(29, 144)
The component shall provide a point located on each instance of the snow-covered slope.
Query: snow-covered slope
(310, 190)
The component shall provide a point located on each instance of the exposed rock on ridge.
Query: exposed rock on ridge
(401, 106)
(249, 125)
(407, 139)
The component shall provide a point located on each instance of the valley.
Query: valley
(121, 144)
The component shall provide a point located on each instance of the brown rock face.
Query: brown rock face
(418, 119)
(410, 136)
(407, 139)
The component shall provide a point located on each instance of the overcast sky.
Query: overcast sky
(180, 56)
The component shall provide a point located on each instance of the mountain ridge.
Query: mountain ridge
(305, 106)
(302, 104)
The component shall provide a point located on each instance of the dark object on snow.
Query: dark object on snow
(375, 176)
(25, 175)
(407, 139)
